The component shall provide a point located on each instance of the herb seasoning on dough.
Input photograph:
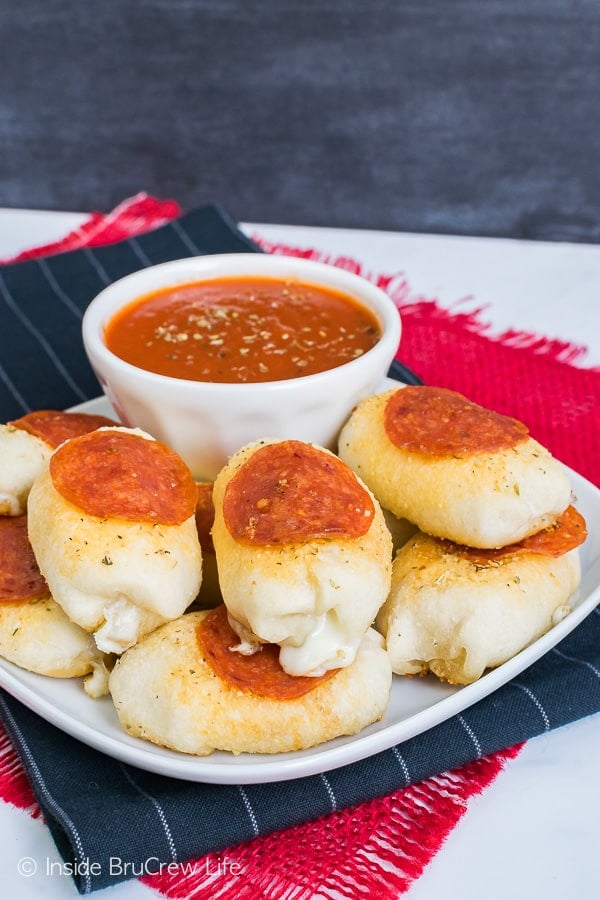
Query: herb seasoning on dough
(239, 330)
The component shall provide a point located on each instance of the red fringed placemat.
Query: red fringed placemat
(133, 216)
(516, 373)
(380, 847)
(376, 849)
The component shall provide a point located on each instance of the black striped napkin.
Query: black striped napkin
(99, 809)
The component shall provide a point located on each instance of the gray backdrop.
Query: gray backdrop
(466, 116)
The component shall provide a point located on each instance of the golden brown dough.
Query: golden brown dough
(479, 499)
(165, 692)
(25, 445)
(36, 635)
(315, 598)
(116, 578)
(456, 617)
(22, 458)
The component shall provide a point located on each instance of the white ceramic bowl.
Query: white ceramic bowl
(205, 422)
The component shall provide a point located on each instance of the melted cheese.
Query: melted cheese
(121, 628)
(96, 683)
(329, 645)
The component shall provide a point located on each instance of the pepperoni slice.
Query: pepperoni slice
(54, 426)
(205, 515)
(20, 577)
(567, 532)
(259, 674)
(439, 422)
(291, 491)
(117, 474)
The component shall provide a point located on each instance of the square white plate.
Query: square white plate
(416, 704)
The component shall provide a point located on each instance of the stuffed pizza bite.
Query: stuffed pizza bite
(184, 687)
(35, 633)
(457, 611)
(27, 443)
(303, 553)
(112, 525)
(453, 468)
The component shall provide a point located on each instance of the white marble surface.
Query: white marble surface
(534, 832)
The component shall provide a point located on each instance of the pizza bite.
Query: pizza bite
(453, 468)
(35, 633)
(457, 611)
(184, 688)
(27, 443)
(303, 553)
(112, 525)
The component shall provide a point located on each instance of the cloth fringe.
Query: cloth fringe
(411, 304)
(133, 216)
(14, 784)
(376, 850)
(513, 372)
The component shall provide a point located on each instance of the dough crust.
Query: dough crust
(483, 500)
(456, 618)
(166, 693)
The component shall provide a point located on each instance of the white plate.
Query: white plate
(416, 704)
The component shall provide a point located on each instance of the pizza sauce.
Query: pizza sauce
(290, 491)
(55, 426)
(440, 422)
(245, 329)
(258, 673)
(20, 577)
(117, 474)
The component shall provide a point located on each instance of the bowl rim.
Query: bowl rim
(107, 302)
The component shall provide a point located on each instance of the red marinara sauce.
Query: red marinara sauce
(243, 329)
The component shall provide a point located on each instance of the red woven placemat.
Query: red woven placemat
(133, 216)
(536, 379)
(379, 847)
